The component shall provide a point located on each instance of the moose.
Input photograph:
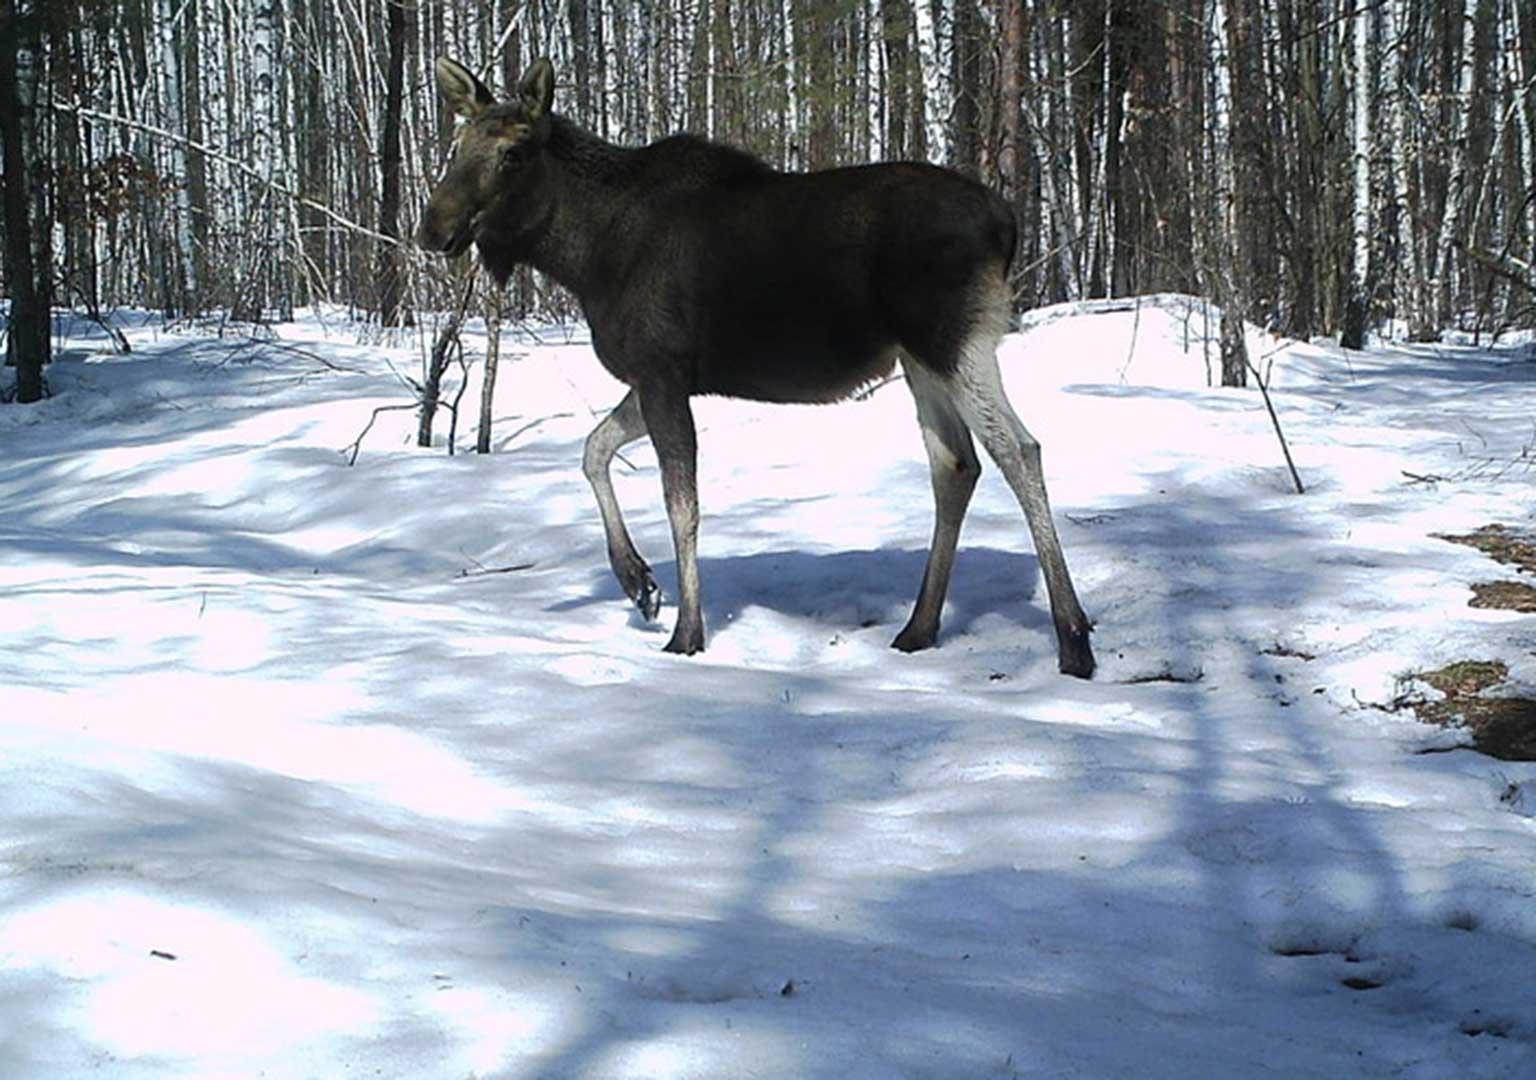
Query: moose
(703, 270)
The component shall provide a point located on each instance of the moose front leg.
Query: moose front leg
(667, 414)
(622, 426)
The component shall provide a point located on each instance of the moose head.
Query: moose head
(492, 180)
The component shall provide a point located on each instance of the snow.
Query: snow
(295, 784)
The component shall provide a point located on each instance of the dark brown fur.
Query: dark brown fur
(703, 271)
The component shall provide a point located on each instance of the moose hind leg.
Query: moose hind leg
(953, 469)
(622, 426)
(977, 388)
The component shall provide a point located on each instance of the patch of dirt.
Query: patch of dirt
(1499, 542)
(1465, 678)
(1504, 595)
(1167, 675)
(1290, 651)
(1501, 727)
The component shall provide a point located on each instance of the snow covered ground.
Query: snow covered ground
(291, 787)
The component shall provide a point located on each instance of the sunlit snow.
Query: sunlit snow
(309, 770)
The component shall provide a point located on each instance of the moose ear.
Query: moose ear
(537, 88)
(466, 94)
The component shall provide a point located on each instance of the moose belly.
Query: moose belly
(783, 342)
(792, 368)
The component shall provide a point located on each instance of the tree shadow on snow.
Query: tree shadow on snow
(846, 590)
(835, 886)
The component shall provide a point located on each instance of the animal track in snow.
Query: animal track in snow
(1447, 970)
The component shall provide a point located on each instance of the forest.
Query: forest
(1316, 167)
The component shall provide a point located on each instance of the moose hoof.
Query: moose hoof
(641, 588)
(686, 642)
(910, 640)
(647, 597)
(1077, 657)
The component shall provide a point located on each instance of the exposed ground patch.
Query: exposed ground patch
(1504, 595)
(1502, 727)
(1499, 542)
(1505, 545)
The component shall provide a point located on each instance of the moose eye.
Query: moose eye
(514, 155)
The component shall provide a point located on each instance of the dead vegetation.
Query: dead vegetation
(1504, 596)
(1500, 543)
(1510, 547)
(1501, 727)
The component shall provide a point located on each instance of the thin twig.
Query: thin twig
(530, 425)
(316, 357)
(219, 155)
(356, 445)
(1135, 329)
(501, 42)
(1275, 420)
(483, 571)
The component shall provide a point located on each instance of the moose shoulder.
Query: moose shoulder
(702, 270)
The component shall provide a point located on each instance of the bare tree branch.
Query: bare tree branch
(219, 155)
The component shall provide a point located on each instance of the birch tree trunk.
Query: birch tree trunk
(254, 300)
(897, 26)
(1229, 276)
(1044, 116)
(1408, 284)
(492, 364)
(1011, 98)
(178, 251)
(1456, 186)
(932, 33)
(1356, 310)
(1247, 148)
(197, 209)
(72, 158)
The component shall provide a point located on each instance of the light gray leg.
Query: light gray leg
(953, 469)
(669, 419)
(622, 426)
(977, 390)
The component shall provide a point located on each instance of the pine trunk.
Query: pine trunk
(390, 291)
(29, 339)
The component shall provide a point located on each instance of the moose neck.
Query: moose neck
(580, 196)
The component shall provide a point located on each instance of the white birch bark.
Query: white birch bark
(792, 137)
(873, 99)
(1057, 216)
(938, 99)
(1102, 236)
(288, 251)
(1510, 118)
(168, 12)
(1228, 287)
(1523, 60)
(259, 133)
(1456, 188)
(1360, 219)
(1409, 284)
(1221, 119)
(1524, 79)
